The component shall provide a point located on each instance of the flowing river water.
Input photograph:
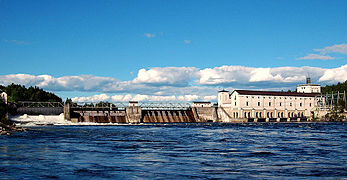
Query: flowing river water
(177, 151)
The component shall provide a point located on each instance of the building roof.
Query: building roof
(276, 93)
(308, 85)
(223, 90)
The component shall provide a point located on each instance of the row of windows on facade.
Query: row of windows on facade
(275, 98)
(290, 104)
(269, 115)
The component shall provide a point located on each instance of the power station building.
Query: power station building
(240, 104)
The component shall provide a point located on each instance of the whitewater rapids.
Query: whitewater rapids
(46, 120)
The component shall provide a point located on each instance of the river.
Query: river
(177, 151)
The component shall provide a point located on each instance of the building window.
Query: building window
(280, 104)
(246, 96)
(258, 103)
(247, 103)
(269, 103)
(290, 104)
(310, 104)
(235, 103)
(300, 104)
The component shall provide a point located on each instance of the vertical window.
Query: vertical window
(300, 104)
(235, 103)
(269, 103)
(280, 104)
(247, 103)
(290, 104)
(258, 103)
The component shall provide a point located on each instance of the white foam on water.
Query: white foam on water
(39, 120)
(45, 120)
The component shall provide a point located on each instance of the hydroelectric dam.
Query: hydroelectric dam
(147, 112)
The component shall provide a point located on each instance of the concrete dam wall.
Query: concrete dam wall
(136, 114)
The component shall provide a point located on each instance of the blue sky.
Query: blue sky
(111, 41)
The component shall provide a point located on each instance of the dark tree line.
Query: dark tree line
(335, 88)
(17, 93)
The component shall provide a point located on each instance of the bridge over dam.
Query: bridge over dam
(135, 112)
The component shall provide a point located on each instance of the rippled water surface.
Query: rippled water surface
(177, 151)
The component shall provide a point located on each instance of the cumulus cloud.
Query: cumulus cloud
(181, 83)
(337, 48)
(94, 98)
(65, 83)
(335, 75)
(315, 56)
(236, 75)
(176, 76)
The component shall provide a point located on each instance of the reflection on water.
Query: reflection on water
(177, 151)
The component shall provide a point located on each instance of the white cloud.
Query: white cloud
(188, 97)
(210, 98)
(225, 75)
(150, 35)
(180, 83)
(315, 56)
(263, 74)
(335, 75)
(187, 41)
(177, 76)
(94, 98)
(337, 48)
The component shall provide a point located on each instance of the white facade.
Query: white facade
(267, 104)
(309, 88)
(3, 97)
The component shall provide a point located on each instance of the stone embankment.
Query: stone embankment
(8, 129)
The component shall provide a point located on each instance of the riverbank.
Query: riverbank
(8, 129)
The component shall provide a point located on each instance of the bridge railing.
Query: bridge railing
(164, 106)
(100, 105)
